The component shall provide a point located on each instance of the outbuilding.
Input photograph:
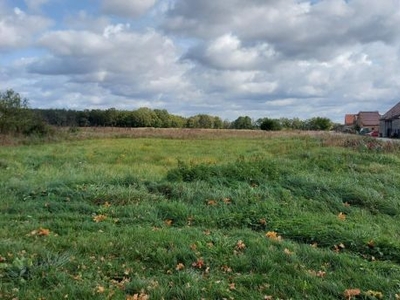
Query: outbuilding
(389, 124)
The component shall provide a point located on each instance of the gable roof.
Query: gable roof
(392, 113)
(368, 118)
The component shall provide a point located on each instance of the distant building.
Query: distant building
(368, 119)
(364, 119)
(349, 120)
(389, 125)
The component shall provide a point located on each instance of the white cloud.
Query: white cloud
(114, 29)
(75, 43)
(18, 29)
(227, 52)
(119, 60)
(293, 58)
(35, 5)
(124, 8)
(293, 28)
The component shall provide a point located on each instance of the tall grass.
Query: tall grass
(277, 217)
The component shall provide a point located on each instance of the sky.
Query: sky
(226, 58)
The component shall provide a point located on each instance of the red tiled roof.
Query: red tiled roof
(349, 120)
(392, 113)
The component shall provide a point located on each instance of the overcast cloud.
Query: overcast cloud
(283, 58)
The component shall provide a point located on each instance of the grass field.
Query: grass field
(181, 214)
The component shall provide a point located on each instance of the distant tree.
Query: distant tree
(298, 124)
(55, 117)
(110, 117)
(258, 122)
(72, 118)
(17, 118)
(83, 118)
(217, 123)
(177, 121)
(144, 117)
(242, 122)
(191, 122)
(200, 121)
(270, 125)
(97, 117)
(12, 108)
(205, 121)
(285, 123)
(164, 118)
(319, 123)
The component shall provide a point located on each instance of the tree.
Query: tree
(16, 117)
(243, 123)
(177, 121)
(191, 122)
(217, 123)
(270, 125)
(298, 124)
(145, 117)
(163, 117)
(319, 123)
(205, 121)
(111, 117)
(83, 118)
(200, 121)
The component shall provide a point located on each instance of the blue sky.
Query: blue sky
(286, 58)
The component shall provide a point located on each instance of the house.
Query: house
(389, 125)
(364, 119)
(368, 119)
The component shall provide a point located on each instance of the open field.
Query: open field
(197, 214)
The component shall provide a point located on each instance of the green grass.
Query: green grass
(277, 217)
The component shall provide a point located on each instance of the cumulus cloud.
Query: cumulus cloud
(129, 9)
(227, 52)
(75, 43)
(124, 62)
(325, 53)
(293, 58)
(18, 29)
(294, 28)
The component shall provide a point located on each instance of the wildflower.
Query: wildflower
(341, 216)
(240, 245)
(99, 218)
(351, 293)
(211, 202)
(168, 222)
(273, 235)
(198, 264)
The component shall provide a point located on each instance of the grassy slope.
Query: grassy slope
(237, 218)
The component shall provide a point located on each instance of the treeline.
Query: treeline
(17, 117)
(161, 118)
(142, 117)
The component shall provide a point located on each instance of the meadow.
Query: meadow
(200, 214)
